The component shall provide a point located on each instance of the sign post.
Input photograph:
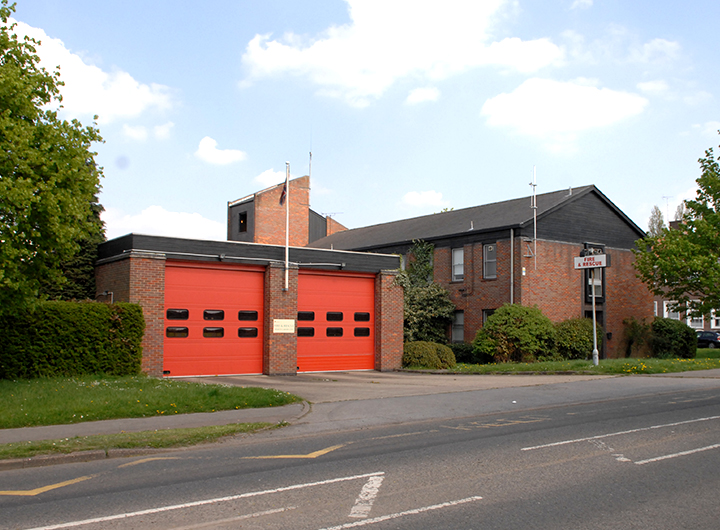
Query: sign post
(592, 262)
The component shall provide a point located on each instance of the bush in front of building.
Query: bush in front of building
(673, 339)
(515, 333)
(428, 355)
(72, 338)
(574, 338)
(637, 338)
(463, 352)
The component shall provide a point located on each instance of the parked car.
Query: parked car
(708, 339)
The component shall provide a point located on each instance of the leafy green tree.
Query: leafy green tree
(48, 176)
(684, 264)
(428, 308)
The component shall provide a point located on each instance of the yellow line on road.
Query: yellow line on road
(149, 460)
(38, 491)
(309, 455)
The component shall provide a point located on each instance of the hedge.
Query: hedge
(71, 338)
(428, 355)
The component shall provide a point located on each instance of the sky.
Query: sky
(408, 106)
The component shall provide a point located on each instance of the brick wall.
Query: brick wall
(280, 349)
(270, 215)
(333, 226)
(388, 322)
(140, 279)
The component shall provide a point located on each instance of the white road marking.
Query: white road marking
(675, 455)
(205, 502)
(402, 514)
(364, 502)
(631, 431)
(212, 524)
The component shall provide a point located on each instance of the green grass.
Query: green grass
(54, 401)
(707, 353)
(132, 440)
(605, 367)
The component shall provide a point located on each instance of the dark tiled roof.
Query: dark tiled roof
(506, 214)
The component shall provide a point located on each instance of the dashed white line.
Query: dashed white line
(675, 455)
(631, 431)
(204, 502)
(213, 524)
(415, 511)
(365, 500)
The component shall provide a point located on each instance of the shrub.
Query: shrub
(72, 338)
(519, 333)
(574, 338)
(484, 348)
(673, 339)
(463, 352)
(428, 355)
(637, 337)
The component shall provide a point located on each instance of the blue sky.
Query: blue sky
(408, 107)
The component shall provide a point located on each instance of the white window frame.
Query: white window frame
(595, 280)
(667, 313)
(696, 322)
(714, 319)
(655, 308)
(458, 267)
(490, 247)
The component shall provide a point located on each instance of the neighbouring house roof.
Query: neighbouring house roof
(515, 213)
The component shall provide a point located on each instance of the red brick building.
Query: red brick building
(224, 308)
(260, 217)
(490, 255)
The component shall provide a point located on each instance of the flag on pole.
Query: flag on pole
(283, 194)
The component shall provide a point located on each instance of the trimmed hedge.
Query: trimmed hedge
(72, 338)
(428, 355)
(574, 338)
(673, 339)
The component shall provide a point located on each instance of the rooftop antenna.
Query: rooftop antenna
(533, 206)
(310, 166)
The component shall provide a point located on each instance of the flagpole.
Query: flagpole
(287, 224)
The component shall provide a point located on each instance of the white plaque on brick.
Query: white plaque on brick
(283, 325)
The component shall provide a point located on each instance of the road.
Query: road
(646, 457)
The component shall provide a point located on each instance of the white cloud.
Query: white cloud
(657, 87)
(163, 131)
(388, 41)
(424, 198)
(157, 221)
(555, 111)
(208, 151)
(421, 95)
(581, 4)
(89, 90)
(655, 51)
(270, 177)
(135, 132)
(709, 128)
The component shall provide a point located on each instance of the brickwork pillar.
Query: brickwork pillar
(280, 349)
(388, 322)
(139, 278)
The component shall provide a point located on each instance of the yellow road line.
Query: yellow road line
(38, 491)
(149, 460)
(309, 455)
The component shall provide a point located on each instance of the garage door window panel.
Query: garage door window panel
(213, 314)
(247, 332)
(213, 333)
(248, 316)
(334, 316)
(306, 332)
(334, 332)
(177, 314)
(306, 316)
(176, 332)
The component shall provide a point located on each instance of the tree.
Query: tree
(684, 264)
(656, 222)
(48, 176)
(428, 308)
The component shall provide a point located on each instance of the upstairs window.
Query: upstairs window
(715, 319)
(242, 222)
(490, 261)
(457, 264)
(669, 312)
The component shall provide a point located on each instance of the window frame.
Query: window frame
(457, 331)
(487, 248)
(457, 264)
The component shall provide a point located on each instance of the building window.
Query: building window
(595, 284)
(696, 322)
(655, 308)
(242, 222)
(458, 327)
(489, 261)
(668, 312)
(715, 319)
(457, 264)
(487, 313)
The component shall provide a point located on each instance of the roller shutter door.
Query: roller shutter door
(336, 322)
(213, 319)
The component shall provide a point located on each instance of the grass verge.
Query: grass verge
(131, 440)
(605, 367)
(55, 401)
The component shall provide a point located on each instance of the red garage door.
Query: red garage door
(213, 319)
(336, 322)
